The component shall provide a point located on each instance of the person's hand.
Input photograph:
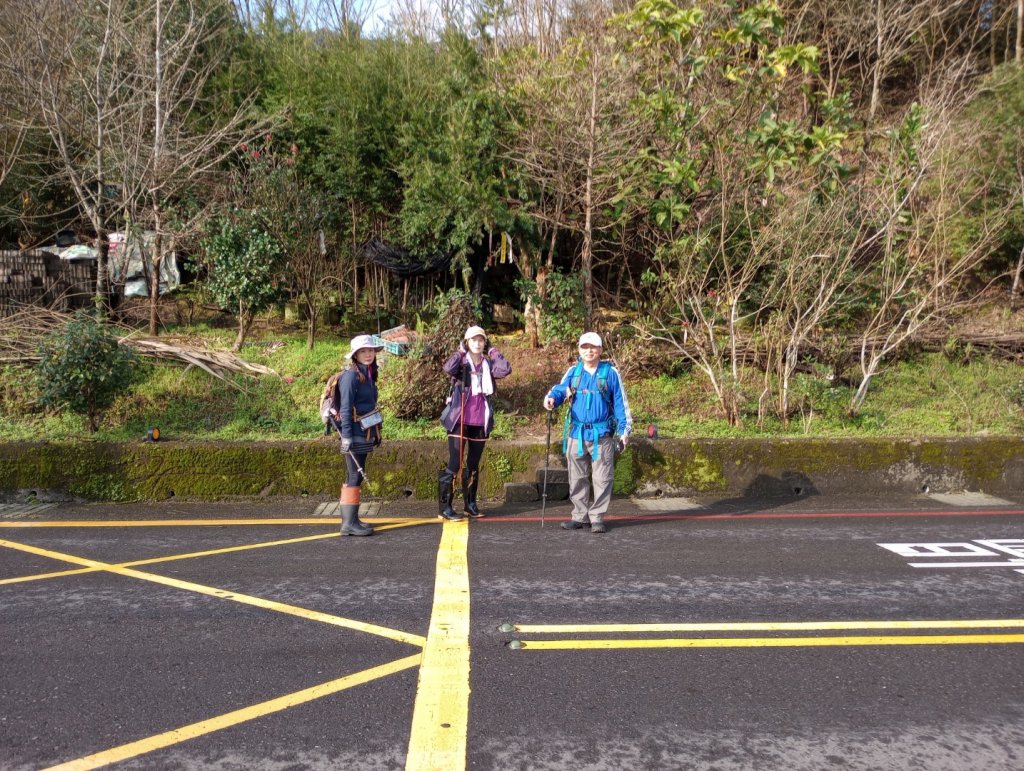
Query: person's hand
(623, 441)
(492, 352)
(346, 444)
(549, 403)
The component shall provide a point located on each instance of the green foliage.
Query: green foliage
(83, 368)
(454, 189)
(561, 305)
(439, 310)
(924, 396)
(993, 156)
(244, 262)
(1016, 393)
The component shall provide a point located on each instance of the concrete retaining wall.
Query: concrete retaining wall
(211, 471)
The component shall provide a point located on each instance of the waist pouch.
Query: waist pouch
(370, 419)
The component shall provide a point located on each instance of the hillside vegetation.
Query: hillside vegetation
(955, 392)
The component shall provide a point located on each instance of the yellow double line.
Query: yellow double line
(440, 718)
(611, 643)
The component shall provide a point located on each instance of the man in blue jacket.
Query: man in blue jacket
(598, 422)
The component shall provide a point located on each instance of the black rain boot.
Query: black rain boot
(445, 493)
(469, 485)
(350, 524)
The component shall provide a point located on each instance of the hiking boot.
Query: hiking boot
(598, 527)
(572, 524)
(445, 493)
(350, 524)
(469, 485)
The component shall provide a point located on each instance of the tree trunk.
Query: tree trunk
(311, 322)
(245, 318)
(532, 313)
(102, 246)
(355, 263)
(1015, 289)
(868, 371)
(158, 145)
(154, 276)
(92, 413)
(587, 258)
(876, 75)
(1019, 54)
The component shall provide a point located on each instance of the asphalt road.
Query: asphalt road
(792, 634)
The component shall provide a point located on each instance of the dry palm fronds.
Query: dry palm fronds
(221, 364)
(23, 332)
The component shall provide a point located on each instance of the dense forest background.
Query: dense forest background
(744, 185)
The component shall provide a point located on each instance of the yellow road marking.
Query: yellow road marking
(170, 558)
(768, 626)
(169, 738)
(440, 718)
(206, 522)
(191, 555)
(259, 602)
(773, 642)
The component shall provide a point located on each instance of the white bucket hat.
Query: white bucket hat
(474, 332)
(363, 341)
(590, 338)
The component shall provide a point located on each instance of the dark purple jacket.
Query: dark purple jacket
(457, 369)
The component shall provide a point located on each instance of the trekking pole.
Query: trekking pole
(358, 467)
(544, 487)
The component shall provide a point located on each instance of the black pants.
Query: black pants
(472, 442)
(352, 476)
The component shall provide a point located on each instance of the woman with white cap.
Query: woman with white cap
(359, 423)
(473, 369)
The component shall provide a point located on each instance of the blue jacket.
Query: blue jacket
(351, 394)
(594, 411)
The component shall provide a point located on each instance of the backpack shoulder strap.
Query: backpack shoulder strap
(574, 381)
(602, 381)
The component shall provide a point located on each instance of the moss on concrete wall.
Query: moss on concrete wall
(209, 471)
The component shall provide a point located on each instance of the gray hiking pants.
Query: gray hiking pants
(584, 507)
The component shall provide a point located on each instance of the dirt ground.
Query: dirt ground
(534, 371)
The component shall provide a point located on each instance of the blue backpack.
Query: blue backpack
(603, 368)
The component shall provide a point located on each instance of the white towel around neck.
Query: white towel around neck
(480, 379)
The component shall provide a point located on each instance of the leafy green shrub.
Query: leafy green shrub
(244, 263)
(463, 306)
(84, 368)
(561, 307)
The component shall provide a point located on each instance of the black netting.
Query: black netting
(399, 261)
